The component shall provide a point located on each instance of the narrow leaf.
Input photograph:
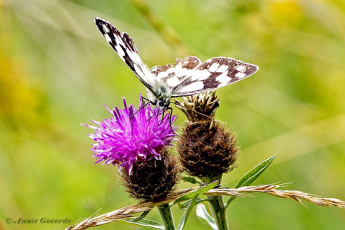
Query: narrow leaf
(185, 204)
(197, 192)
(142, 216)
(199, 200)
(251, 176)
(202, 213)
(187, 213)
(143, 222)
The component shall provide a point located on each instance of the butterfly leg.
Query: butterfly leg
(170, 115)
(146, 103)
(170, 118)
(149, 101)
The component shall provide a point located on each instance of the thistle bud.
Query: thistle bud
(206, 148)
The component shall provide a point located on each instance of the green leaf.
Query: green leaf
(197, 192)
(202, 213)
(182, 206)
(254, 173)
(187, 213)
(143, 222)
(251, 176)
(190, 180)
(199, 200)
(185, 204)
(142, 216)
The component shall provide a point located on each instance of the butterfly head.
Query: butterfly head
(163, 103)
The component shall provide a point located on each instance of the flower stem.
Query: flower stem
(165, 212)
(217, 205)
(218, 211)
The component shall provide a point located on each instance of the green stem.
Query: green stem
(217, 206)
(218, 211)
(165, 212)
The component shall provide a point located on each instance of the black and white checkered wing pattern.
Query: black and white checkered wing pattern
(127, 51)
(189, 76)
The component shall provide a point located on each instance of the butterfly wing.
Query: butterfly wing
(127, 51)
(189, 76)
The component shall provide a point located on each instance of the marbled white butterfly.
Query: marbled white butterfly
(186, 77)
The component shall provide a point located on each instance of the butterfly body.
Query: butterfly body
(188, 76)
(160, 96)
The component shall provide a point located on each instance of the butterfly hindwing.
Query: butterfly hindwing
(173, 75)
(189, 76)
(225, 71)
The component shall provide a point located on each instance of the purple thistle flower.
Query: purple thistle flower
(126, 138)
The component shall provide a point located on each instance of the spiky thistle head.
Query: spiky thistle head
(137, 140)
(132, 135)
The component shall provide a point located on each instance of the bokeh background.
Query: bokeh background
(57, 71)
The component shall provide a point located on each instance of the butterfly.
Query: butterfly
(188, 76)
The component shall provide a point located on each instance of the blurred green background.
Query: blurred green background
(57, 71)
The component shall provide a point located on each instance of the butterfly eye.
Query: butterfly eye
(161, 103)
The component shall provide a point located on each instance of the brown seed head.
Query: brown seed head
(207, 151)
(153, 181)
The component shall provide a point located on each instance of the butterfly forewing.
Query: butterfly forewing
(127, 51)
